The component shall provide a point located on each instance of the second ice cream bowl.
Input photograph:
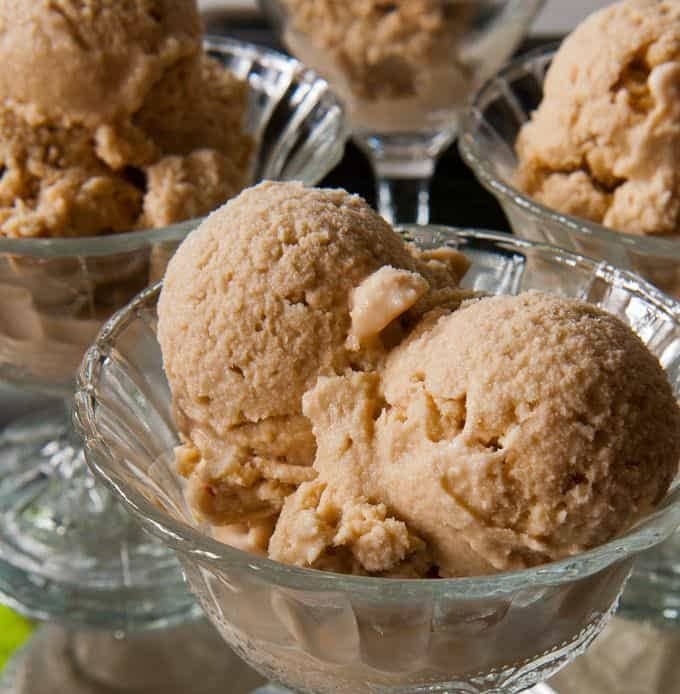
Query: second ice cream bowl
(489, 130)
(60, 535)
(323, 632)
(405, 72)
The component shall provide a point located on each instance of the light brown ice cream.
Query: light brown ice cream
(260, 301)
(112, 118)
(398, 55)
(383, 48)
(605, 142)
(337, 521)
(536, 426)
(342, 409)
(404, 66)
(503, 435)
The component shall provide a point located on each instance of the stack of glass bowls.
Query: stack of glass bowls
(68, 551)
(488, 132)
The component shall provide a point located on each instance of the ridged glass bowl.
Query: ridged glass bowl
(488, 131)
(67, 550)
(321, 632)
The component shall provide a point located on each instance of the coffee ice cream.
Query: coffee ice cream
(396, 65)
(345, 406)
(263, 298)
(405, 66)
(503, 435)
(605, 142)
(113, 118)
(382, 48)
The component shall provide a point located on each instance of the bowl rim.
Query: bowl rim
(470, 118)
(106, 244)
(191, 543)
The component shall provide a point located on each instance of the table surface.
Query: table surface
(630, 658)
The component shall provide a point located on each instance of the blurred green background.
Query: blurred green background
(14, 631)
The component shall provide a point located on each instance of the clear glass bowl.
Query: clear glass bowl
(404, 76)
(487, 137)
(66, 549)
(324, 632)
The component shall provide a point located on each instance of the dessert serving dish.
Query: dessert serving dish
(320, 632)
(488, 133)
(404, 71)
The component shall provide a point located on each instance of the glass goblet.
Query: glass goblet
(489, 129)
(404, 71)
(315, 631)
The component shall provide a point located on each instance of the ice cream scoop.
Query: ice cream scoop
(116, 47)
(537, 427)
(513, 431)
(112, 118)
(605, 141)
(264, 297)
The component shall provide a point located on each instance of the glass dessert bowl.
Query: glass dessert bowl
(488, 133)
(67, 549)
(321, 632)
(404, 74)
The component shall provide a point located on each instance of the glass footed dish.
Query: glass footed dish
(405, 72)
(322, 632)
(68, 551)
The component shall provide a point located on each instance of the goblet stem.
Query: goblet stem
(404, 200)
(403, 166)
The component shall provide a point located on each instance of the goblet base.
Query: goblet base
(68, 551)
(190, 658)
